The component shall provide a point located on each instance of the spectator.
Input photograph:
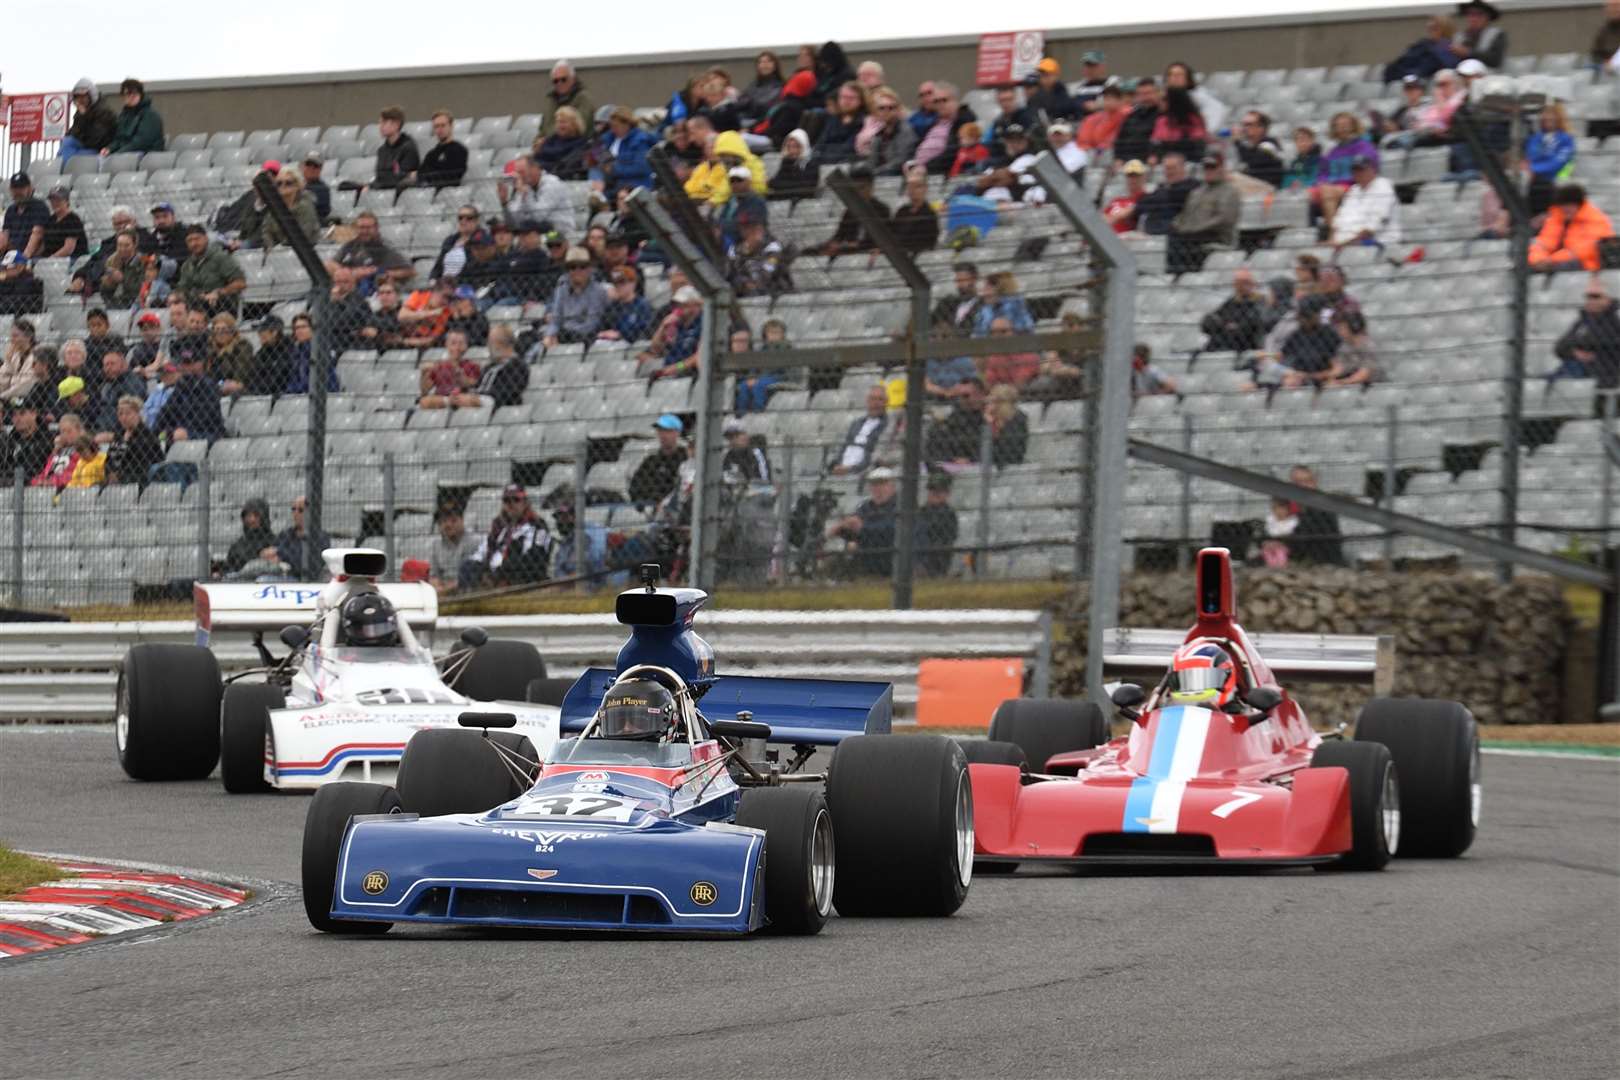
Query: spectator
(753, 388)
(846, 117)
(1062, 375)
(936, 150)
(1432, 124)
(63, 457)
(1014, 369)
(923, 116)
(1049, 99)
(117, 383)
(1134, 137)
(191, 339)
(1368, 212)
(851, 235)
(139, 128)
(973, 155)
(1414, 99)
(348, 317)
(1308, 352)
(956, 314)
(730, 152)
(1356, 362)
(210, 278)
(446, 160)
(1009, 427)
(1333, 177)
(1179, 126)
(369, 258)
(864, 435)
(915, 225)
(1549, 153)
(316, 188)
(754, 102)
(1094, 78)
(955, 439)
(99, 340)
(660, 470)
(64, 234)
(157, 398)
(1260, 157)
(1121, 210)
(15, 377)
(303, 358)
(1239, 323)
(627, 317)
(23, 228)
(27, 445)
(1147, 378)
(89, 465)
(1316, 539)
(893, 141)
(832, 71)
(1429, 54)
(168, 235)
(1480, 38)
(1590, 348)
(674, 344)
(935, 541)
(567, 91)
(869, 73)
(21, 293)
(530, 194)
(123, 275)
(147, 353)
(799, 174)
(1209, 219)
(453, 248)
(272, 365)
(76, 365)
(785, 116)
(1157, 210)
(398, 160)
(94, 122)
(452, 549)
(1307, 160)
(869, 532)
(425, 314)
(256, 538)
(465, 316)
(743, 203)
(505, 377)
(1002, 300)
(290, 187)
(1570, 236)
(1011, 112)
(296, 548)
(87, 274)
(623, 156)
(73, 391)
(1606, 41)
(759, 265)
(192, 410)
(1101, 126)
(743, 462)
(577, 306)
(562, 153)
(446, 378)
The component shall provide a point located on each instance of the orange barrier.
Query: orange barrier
(964, 693)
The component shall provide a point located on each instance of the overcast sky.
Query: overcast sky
(175, 39)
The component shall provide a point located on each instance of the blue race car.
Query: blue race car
(654, 816)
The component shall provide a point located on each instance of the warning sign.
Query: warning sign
(37, 117)
(1008, 58)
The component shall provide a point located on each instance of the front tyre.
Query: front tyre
(1375, 801)
(1435, 746)
(324, 828)
(800, 859)
(902, 810)
(167, 721)
(243, 722)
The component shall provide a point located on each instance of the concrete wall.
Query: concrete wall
(1211, 45)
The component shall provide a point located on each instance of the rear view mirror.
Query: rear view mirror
(1129, 696)
(294, 637)
(487, 720)
(738, 730)
(474, 637)
(1263, 698)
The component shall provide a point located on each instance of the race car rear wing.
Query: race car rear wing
(268, 607)
(812, 712)
(1145, 654)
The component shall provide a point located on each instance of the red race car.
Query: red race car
(1221, 766)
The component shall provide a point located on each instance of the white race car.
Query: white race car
(356, 684)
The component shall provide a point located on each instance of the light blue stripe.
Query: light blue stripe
(1139, 802)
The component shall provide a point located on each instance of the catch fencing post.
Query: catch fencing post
(582, 502)
(981, 563)
(1391, 433)
(1183, 555)
(19, 484)
(388, 515)
(205, 516)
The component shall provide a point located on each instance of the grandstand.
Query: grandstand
(1439, 315)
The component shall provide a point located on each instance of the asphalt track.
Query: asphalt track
(1503, 964)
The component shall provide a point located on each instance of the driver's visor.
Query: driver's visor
(1200, 678)
(372, 631)
(629, 721)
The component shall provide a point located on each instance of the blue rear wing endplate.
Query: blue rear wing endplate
(817, 712)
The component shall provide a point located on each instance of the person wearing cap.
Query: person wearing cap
(527, 270)
(758, 263)
(1049, 98)
(27, 445)
(94, 122)
(192, 411)
(72, 396)
(465, 316)
(168, 234)
(577, 303)
(869, 532)
(1414, 99)
(22, 229)
(209, 278)
(1121, 210)
(64, 234)
(1210, 219)
(744, 203)
(660, 470)
(21, 293)
(1368, 212)
(615, 256)
(672, 352)
(1479, 38)
(937, 528)
(517, 547)
(628, 316)
(446, 160)
(743, 461)
(315, 187)
(272, 364)
(147, 351)
(139, 128)
(1093, 77)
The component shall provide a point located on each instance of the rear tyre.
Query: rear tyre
(1044, 728)
(902, 810)
(500, 670)
(1375, 802)
(324, 827)
(167, 722)
(547, 691)
(458, 771)
(1435, 745)
(985, 752)
(800, 860)
(244, 719)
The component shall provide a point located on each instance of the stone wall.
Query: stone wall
(1499, 649)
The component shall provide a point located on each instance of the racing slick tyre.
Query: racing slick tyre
(546, 691)
(902, 812)
(500, 670)
(457, 771)
(1435, 745)
(324, 826)
(799, 856)
(167, 720)
(986, 752)
(1375, 802)
(1045, 728)
(244, 721)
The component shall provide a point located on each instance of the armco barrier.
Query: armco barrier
(68, 671)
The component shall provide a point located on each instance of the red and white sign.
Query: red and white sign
(1008, 58)
(38, 117)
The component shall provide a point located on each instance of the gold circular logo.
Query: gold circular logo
(704, 893)
(374, 882)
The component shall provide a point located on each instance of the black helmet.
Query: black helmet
(636, 709)
(369, 619)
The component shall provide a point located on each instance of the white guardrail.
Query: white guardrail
(69, 671)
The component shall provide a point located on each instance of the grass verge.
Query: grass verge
(19, 872)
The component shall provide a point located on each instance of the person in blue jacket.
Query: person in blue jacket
(622, 150)
(1548, 154)
(1002, 300)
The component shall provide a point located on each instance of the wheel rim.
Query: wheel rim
(1389, 811)
(121, 720)
(1476, 790)
(821, 864)
(964, 829)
